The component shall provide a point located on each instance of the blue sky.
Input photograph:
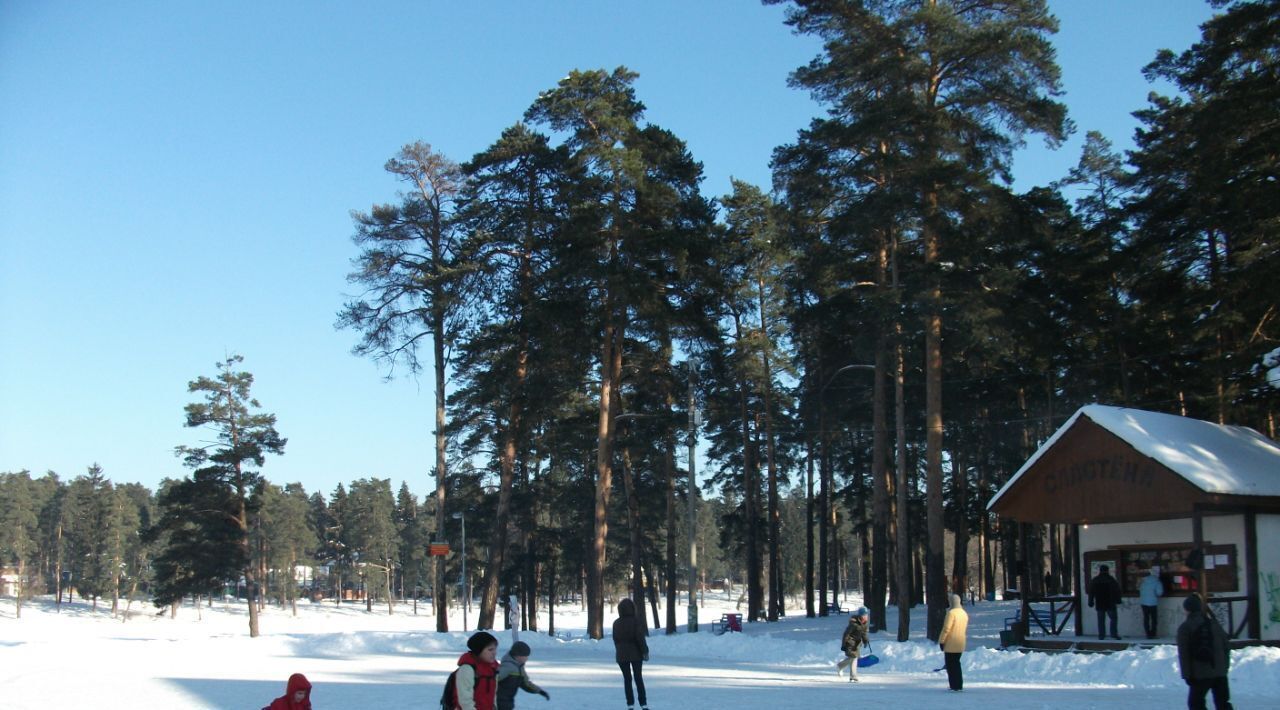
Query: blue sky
(176, 180)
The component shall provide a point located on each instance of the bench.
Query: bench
(835, 608)
(727, 622)
(1044, 618)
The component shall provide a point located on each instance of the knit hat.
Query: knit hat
(1192, 603)
(519, 648)
(481, 640)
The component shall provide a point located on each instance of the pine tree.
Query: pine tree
(18, 529)
(406, 264)
(373, 535)
(635, 211)
(227, 471)
(90, 534)
(1206, 218)
(969, 79)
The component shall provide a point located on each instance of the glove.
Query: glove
(645, 657)
(942, 647)
(1090, 602)
(544, 694)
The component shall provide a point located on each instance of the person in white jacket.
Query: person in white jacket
(952, 640)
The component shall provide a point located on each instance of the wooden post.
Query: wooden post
(1077, 565)
(1024, 581)
(1197, 538)
(1254, 612)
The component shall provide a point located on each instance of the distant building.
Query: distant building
(9, 581)
(1142, 489)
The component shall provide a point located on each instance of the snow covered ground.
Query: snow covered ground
(361, 660)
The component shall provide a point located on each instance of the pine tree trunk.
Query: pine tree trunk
(670, 465)
(439, 590)
(604, 474)
(751, 493)
(936, 569)
(879, 490)
(824, 504)
(903, 540)
(775, 520)
(960, 555)
(808, 528)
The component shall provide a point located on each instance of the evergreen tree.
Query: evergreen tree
(226, 471)
(139, 513)
(969, 78)
(635, 211)
(200, 544)
(406, 265)
(373, 535)
(18, 529)
(289, 538)
(511, 216)
(1206, 219)
(91, 534)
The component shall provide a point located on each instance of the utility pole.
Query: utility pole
(466, 592)
(693, 490)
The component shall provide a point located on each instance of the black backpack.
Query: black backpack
(1202, 643)
(449, 698)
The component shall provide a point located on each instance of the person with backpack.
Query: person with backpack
(473, 686)
(855, 635)
(512, 677)
(631, 651)
(297, 695)
(1104, 597)
(1204, 657)
(952, 642)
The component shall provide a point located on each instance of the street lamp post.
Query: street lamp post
(466, 593)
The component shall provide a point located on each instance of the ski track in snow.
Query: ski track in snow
(356, 659)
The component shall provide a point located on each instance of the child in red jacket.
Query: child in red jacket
(297, 695)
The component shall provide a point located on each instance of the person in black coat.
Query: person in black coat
(631, 651)
(1204, 657)
(1104, 597)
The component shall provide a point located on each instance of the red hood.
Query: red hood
(297, 682)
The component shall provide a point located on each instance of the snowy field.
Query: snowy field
(361, 660)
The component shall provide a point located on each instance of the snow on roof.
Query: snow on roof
(1230, 460)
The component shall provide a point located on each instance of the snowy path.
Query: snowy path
(361, 660)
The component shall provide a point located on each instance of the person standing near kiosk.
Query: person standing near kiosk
(1104, 597)
(1149, 593)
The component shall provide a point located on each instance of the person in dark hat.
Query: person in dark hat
(476, 677)
(1104, 597)
(631, 651)
(1204, 656)
(512, 677)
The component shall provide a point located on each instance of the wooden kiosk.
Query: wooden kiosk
(1141, 490)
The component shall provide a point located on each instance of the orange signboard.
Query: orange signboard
(439, 549)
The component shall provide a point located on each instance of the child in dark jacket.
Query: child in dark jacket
(512, 677)
(854, 637)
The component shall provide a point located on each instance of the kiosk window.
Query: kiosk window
(1178, 567)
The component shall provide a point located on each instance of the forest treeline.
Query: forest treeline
(867, 349)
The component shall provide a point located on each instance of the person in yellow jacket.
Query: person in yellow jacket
(951, 640)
